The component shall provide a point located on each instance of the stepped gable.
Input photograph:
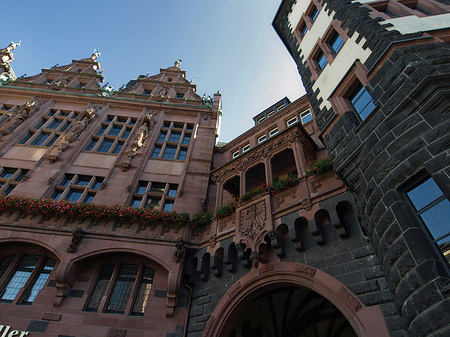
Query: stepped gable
(82, 75)
(169, 85)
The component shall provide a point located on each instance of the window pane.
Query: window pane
(424, 194)
(56, 195)
(437, 219)
(101, 130)
(153, 203)
(156, 152)
(190, 127)
(172, 190)
(8, 172)
(100, 288)
(314, 13)
(162, 137)
(83, 180)
(168, 206)
(306, 117)
(38, 125)
(321, 60)
(114, 131)
(40, 281)
(143, 292)
(91, 145)
(158, 187)
(105, 146)
(142, 187)
(98, 183)
(170, 151)
(136, 202)
(74, 196)
(24, 140)
(20, 277)
(175, 137)
(362, 102)
(125, 134)
(40, 139)
(336, 43)
(118, 147)
(182, 155)
(89, 198)
(122, 289)
(7, 260)
(54, 124)
(186, 139)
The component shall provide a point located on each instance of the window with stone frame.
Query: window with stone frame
(49, 128)
(432, 209)
(173, 141)
(398, 8)
(77, 188)
(307, 20)
(306, 117)
(111, 135)
(361, 101)
(126, 286)
(23, 275)
(6, 111)
(155, 195)
(9, 178)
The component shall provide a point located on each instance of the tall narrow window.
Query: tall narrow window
(335, 42)
(40, 281)
(143, 293)
(100, 288)
(122, 289)
(433, 208)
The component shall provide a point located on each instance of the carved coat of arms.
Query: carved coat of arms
(252, 219)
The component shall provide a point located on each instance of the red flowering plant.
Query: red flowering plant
(282, 184)
(259, 190)
(88, 211)
(227, 209)
(319, 167)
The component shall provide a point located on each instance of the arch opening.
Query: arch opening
(280, 311)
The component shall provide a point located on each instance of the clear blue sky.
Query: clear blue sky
(226, 45)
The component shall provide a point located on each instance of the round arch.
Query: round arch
(365, 321)
(38, 243)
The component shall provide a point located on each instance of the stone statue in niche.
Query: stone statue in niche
(139, 139)
(16, 119)
(85, 118)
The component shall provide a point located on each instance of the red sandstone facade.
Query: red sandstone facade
(151, 145)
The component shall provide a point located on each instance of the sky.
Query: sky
(228, 46)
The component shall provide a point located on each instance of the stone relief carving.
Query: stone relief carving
(139, 139)
(18, 117)
(85, 118)
(252, 219)
(77, 236)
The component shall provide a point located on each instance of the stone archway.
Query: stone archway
(311, 299)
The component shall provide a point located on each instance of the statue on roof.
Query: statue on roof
(11, 46)
(177, 63)
(95, 55)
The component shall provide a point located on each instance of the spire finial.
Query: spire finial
(177, 63)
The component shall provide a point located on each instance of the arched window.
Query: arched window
(126, 287)
(23, 274)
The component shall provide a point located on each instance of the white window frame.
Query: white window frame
(273, 132)
(245, 148)
(235, 154)
(261, 119)
(292, 121)
(304, 114)
(262, 139)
